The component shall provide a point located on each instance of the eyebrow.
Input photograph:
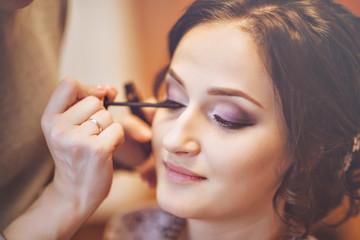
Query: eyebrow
(232, 92)
(219, 91)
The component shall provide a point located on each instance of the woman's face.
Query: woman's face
(222, 154)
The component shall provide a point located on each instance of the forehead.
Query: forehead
(222, 54)
(220, 42)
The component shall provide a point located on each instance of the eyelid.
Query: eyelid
(170, 79)
(176, 93)
(173, 75)
(231, 116)
(232, 125)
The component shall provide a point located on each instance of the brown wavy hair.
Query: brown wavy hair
(311, 50)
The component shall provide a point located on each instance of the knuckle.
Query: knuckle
(44, 122)
(119, 130)
(56, 135)
(117, 127)
(68, 82)
(94, 101)
(96, 151)
(61, 138)
(76, 146)
(107, 115)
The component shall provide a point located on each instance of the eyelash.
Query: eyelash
(231, 125)
(222, 122)
(172, 101)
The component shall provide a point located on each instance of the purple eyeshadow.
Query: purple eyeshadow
(231, 113)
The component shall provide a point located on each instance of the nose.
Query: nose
(183, 137)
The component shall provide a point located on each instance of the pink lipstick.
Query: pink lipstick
(181, 175)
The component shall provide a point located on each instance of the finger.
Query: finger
(112, 136)
(111, 93)
(66, 94)
(136, 129)
(82, 110)
(69, 91)
(98, 91)
(96, 123)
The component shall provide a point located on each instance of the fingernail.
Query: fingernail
(102, 86)
(114, 90)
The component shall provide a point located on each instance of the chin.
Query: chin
(179, 206)
(176, 209)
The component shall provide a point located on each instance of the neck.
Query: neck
(252, 228)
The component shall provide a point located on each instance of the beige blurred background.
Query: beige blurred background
(114, 41)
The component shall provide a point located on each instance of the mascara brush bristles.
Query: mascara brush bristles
(143, 104)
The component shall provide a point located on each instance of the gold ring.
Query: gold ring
(96, 123)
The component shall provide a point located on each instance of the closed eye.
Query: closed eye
(232, 125)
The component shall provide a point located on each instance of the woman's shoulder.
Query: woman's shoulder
(149, 223)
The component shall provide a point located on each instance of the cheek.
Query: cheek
(247, 161)
(243, 174)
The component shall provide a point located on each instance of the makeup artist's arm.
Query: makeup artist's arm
(83, 163)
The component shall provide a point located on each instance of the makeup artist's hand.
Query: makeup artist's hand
(82, 153)
(131, 154)
(81, 150)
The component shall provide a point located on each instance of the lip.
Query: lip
(181, 175)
